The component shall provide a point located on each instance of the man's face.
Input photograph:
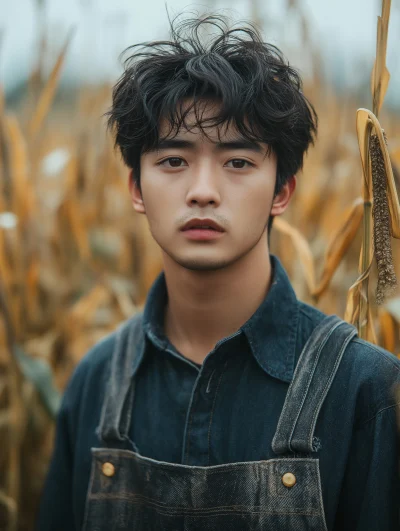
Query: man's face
(224, 178)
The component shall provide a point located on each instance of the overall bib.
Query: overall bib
(130, 492)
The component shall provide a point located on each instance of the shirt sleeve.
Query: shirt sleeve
(370, 498)
(56, 504)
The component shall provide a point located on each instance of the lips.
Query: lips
(202, 224)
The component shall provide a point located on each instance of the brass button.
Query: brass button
(289, 479)
(108, 469)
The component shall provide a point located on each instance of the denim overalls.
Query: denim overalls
(130, 492)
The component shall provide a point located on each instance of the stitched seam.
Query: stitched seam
(277, 436)
(179, 510)
(378, 413)
(101, 454)
(321, 346)
(320, 497)
(103, 429)
(212, 413)
(318, 406)
(327, 387)
(162, 505)
(89, 494)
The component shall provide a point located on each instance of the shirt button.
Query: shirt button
(108, 469)
(289, 479)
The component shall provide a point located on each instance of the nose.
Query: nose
(204, 185)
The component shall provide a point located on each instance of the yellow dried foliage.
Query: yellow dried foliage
(340, 243)
(380, 75)
(302, 249)
(48, 93)
(388, 330)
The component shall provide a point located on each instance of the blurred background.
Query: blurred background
(75, 259)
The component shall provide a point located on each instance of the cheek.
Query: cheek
(254, 215)
(160, 210)
(258, 201)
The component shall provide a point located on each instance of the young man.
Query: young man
(227, 403)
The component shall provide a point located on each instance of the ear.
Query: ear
(136, 196)
(282, 200)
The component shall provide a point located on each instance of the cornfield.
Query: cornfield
(76, 260)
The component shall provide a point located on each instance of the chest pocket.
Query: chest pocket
(146, 495)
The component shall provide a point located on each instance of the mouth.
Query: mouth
(202, 224)
(199, 233)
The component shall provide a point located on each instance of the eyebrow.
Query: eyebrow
(241, 143)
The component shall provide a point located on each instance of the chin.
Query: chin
(200, 263)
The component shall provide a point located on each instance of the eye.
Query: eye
(239, 164)
(172, 162)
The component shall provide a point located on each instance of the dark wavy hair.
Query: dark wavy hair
(257, 91)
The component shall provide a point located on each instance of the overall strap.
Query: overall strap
(313, 377)
(116, 412)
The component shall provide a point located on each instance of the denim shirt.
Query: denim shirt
(227, 411)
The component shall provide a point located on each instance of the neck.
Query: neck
(206, 306)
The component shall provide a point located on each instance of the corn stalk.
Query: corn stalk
(381, 206)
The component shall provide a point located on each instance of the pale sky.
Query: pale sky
(344, 31)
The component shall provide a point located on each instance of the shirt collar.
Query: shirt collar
(271, 331)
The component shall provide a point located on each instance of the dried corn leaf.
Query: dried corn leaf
(380, 75)
(48, 93)
(339, 245)
(6, 270)
(32, 288)
(22, 193)
(74, 213)
(303, 250)
(74, 216)
(387, 329)
(17, 425)
(364, 127)
(83, 310)
(352, 312)
(370, 328)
